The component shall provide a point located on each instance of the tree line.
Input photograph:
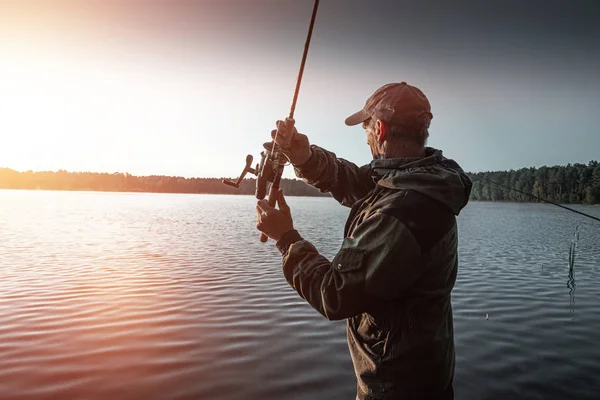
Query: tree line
(569, 184)
(119, 182)
(573, 183)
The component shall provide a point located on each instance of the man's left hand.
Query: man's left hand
(272, 222)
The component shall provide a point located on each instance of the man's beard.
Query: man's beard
(375, 151)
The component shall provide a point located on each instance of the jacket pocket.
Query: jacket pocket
(349, 260)
(373, 338)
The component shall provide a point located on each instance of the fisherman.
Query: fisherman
(393, 275)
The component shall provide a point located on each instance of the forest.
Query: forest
(569, 184)
(119, 182)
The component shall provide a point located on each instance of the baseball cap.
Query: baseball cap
(398, 103)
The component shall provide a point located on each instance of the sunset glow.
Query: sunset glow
(190, 88)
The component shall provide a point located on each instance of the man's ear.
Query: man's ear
(381, 130)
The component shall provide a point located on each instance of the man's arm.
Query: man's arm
(321, 168)
(346, 182)
(381, 260)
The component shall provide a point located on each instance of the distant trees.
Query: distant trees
(573, 183)
(118, 182)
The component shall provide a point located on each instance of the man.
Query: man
(394, 273)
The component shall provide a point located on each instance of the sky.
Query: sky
(189, 88)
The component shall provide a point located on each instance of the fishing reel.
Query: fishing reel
(268, 171)
(247, 168)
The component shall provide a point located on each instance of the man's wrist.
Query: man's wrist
(310, 154)
(287, 239)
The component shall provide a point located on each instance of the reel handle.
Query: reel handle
(247, 168)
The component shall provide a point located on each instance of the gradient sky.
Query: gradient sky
(189, 88)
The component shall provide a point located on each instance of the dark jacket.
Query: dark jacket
(393, 275)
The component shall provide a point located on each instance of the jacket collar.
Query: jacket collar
(432, 156)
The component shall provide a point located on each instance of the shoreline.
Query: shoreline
(326, 196)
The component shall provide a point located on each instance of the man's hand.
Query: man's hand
(293, 144)
(272, 222)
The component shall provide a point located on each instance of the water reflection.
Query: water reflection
(571, 285)
(128, 296)
(571, 280)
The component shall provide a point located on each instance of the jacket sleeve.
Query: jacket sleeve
(346, 182)
(381, 260)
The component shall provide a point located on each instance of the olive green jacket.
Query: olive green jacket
(394, 273)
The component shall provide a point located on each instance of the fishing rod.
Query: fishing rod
(272, 163)
(539, 198)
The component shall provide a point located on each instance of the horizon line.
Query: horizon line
(234, 177)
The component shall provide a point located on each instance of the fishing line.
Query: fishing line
(539, 198)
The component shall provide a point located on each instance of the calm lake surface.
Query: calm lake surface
(166, 296)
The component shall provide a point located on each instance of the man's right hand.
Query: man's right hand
(293, 144)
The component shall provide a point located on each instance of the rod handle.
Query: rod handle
(272, 199)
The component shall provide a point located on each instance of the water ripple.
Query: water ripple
(172, 297)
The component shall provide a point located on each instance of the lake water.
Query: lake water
(170, 296)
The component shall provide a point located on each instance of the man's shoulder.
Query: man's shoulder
(426, 218)
(397, 202)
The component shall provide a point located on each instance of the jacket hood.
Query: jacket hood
(433, 175)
